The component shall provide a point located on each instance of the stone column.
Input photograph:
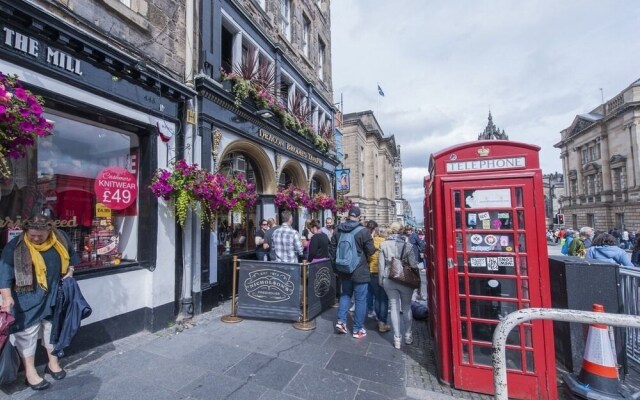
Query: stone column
(633, 169)
(580, 191)
(607, 189)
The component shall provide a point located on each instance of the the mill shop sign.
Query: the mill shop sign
(32, 47)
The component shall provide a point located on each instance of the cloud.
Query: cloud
(444, 65)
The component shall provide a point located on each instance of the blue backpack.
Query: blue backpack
(565, 247)
(347, 257)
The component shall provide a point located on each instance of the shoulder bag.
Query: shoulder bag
(402, 272)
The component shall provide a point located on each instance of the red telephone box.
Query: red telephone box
(488, 257)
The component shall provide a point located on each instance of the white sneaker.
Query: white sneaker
(372, 315)
(397, 340)
(353, 308)
(408, 338)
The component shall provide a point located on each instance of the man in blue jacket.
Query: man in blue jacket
(356, 283)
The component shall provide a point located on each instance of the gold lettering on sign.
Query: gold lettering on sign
(7, 222)
(288, 146)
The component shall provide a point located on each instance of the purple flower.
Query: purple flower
(21, 93)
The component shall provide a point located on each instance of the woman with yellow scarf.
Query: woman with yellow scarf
(31, 268)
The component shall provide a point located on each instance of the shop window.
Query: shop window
(236, 229)
(58, 179)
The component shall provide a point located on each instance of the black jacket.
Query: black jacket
(364, 245)
(70, 309)
(318, 246)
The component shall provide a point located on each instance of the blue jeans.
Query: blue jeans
(359, 292)
(381, 306)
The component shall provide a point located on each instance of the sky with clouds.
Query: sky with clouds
(444, 64)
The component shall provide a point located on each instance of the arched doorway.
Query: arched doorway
(236, 230)
(292, 175)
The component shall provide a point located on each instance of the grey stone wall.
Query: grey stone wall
(319, 16)
(152, 30)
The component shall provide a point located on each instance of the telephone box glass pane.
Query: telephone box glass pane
(489, 220)
(493, 198)
(524, 285)
(496, 287)
(462, 288)
(456, 199)
(463, 308)
(490, 242)
(522, 244)
(465, 353)
(482, 355)
(514, 337)
(482, 331)
(523, 266)
(514, 359)
(463, 330)
(498, 265)
(488, 309)
(458, 220)
(530, 364)
(521, 219)
(461, 263)
(459, 241)
(519, 198)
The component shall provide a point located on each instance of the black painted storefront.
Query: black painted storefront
(49, 54)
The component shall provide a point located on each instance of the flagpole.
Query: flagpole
(378, 100)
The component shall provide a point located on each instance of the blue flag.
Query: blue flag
(380, 92)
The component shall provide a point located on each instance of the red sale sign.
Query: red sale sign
(116, 188)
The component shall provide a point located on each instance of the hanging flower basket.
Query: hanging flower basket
(321, 201)
(291, 197)
(343, 205)
(190, 188)
(21, 121)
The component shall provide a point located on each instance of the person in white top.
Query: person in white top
(328, 227)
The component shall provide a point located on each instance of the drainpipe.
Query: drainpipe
(192, 224)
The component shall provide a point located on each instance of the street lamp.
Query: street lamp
(264, 113)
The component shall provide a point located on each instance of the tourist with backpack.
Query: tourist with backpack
(350, 247)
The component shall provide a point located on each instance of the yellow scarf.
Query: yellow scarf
(38, 262)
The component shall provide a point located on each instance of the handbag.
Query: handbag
(9, 363)
(403, 273)
(9, 358)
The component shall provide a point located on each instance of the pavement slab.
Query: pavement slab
(373, 369)
(271, 372)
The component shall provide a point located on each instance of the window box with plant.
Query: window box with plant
(255, 80)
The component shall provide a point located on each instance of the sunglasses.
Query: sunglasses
(265, 224)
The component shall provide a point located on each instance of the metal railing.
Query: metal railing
(630, 292)
(517, 317)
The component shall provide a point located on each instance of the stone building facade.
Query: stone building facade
(601, 167)
(302, 29)
(265, 109)
(372, 158)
